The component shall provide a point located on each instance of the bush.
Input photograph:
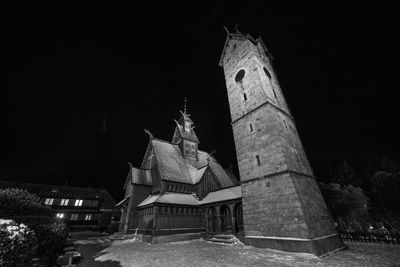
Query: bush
(18, 202)
(346, 201)
(17, 244)
(51, 234)
(112, 227)
(104, 221)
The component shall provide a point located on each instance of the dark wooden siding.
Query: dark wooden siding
(169, 186)
(140, 192)
(179, 217)
(207, 184)
(145, 220)
(155, 177)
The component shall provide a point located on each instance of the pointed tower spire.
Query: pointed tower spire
(184, 107)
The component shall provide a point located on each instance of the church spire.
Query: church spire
(184, 134)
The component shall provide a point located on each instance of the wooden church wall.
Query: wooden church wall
(179, 219)
(138, 194)
(145, 220)
(155, 176)
(169, 186)
(206, 185)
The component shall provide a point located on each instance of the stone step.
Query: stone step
(217, 240)
(224, 236)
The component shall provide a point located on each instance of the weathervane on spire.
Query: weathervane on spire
(237, 28)
(184, 107)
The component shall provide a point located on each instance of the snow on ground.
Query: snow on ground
(203, 253)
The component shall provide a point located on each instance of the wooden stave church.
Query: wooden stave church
(180, 192)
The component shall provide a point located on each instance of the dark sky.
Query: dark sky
(83, 81)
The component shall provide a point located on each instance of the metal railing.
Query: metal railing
(388, 238)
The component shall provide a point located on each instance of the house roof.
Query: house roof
(70, 192)
(189, 199)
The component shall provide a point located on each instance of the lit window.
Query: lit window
(88, 217)
(64, 202)
(49, 201)
(78, 202)
(74, 217)
(60, 215)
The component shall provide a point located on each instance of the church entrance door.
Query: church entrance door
(212, 220)
(226, 221)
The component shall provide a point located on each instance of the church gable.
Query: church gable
(207, 184)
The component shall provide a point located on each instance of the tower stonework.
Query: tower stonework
(282, 204)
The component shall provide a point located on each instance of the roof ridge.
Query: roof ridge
(68, 186)
(157, 139)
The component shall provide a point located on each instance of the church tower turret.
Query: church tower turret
(185, 137)
(282, 204)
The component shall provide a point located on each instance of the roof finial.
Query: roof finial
(184, 107)
(226, 29)
(237, 28)
(149, 134)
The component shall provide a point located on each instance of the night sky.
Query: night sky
(83, 81)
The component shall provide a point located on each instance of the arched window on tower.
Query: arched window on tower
(240, 75)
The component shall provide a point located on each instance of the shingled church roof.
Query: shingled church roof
(173, 166)
(225, 194)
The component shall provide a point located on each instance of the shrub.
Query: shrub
(18, 202)
(104, 221)
(346, 202)
(17, 244)
(51, 234)
(112, 227)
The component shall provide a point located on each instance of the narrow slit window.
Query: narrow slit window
(244, 97)
(258, 160)
(274, 93)
(267, 73)
(250, 127)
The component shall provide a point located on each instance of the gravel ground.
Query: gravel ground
(105, 252)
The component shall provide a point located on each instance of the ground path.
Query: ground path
(103, 251)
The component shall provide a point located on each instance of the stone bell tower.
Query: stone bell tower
(282, 205)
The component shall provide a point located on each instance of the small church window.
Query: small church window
(267, 72)
(239, 76)
(258, 160)
(250, 127)
(244, 97)
(274, 93)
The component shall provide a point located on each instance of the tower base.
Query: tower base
(318, 246)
